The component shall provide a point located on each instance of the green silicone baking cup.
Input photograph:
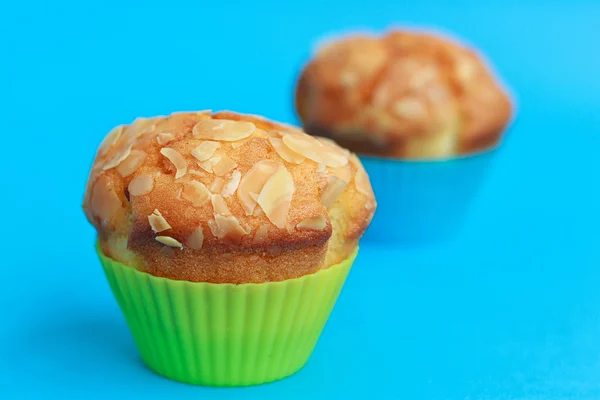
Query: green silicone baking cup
(224, 334)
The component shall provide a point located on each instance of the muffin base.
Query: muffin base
(224, 334)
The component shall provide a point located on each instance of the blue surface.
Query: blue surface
(510, 309)
(421, 203)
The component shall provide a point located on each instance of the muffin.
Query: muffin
(226, 239)
(404, 102)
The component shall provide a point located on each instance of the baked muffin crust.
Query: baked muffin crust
(225, 198)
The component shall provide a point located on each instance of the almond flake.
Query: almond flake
(344, 173)
(196, 173)
(314, 150)
(258, 212)
(196, 239)
(335, 187)
(140, 185)
(177, 160)
(223, 130)
(217, 185)
(227, 228)
(275, 198)
(321, 168)
(361, 182)
(164, 138)
(232, 185)
(141, 126)
(317, 223)
(225, 165)
(167, 251)
(158, 223)
(410, 108)
(196, 193)
(110, 139)
(117, 158)
(105, 202)
(131, 163)
(332, 154)
(235, 145)
(209, 164)
(253, 182)
(219, 205)
(305, 145)
(261, 234)
(169, 241)
(285, 152)
(178, 195)
(205, 150)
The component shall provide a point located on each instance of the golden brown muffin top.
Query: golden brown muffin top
(405, 94)
(225, 198)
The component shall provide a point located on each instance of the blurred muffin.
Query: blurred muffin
(189, 204)
(404, 95)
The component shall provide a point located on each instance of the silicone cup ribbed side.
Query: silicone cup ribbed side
(223, 334)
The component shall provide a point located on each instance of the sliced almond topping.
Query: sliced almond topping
(261, 234)
(196, 239)
(219, 205)
(253, 182)
(177, 160)
(285, 152)
(158, 223)
(344, 173)
(315, 150)
(332, 154)
(105, 201)
(110, 139)
(223, 130)
(305, 145)
(321, 168)
(164, 138)
(117, 158)
(167, 251)
(231, 185)
(275, 198)
(317, 223)
(227, 228)
(196, 173)
(196, 193)
(169, 241)
(235, 145)
(140, 126)
(225, 165)
(141, 184)
(178, 195)
(410, 108)
(362, 183)
(205, 150)
(335, 187)
(258, 212)
(209, 164)
(217, 185)
(132, 163)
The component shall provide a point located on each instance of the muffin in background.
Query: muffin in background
(404, 95)
(421, 110)
(226, 239)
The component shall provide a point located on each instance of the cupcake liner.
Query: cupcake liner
(225, 334)
(423, 201)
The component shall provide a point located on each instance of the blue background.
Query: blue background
(510, 309)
